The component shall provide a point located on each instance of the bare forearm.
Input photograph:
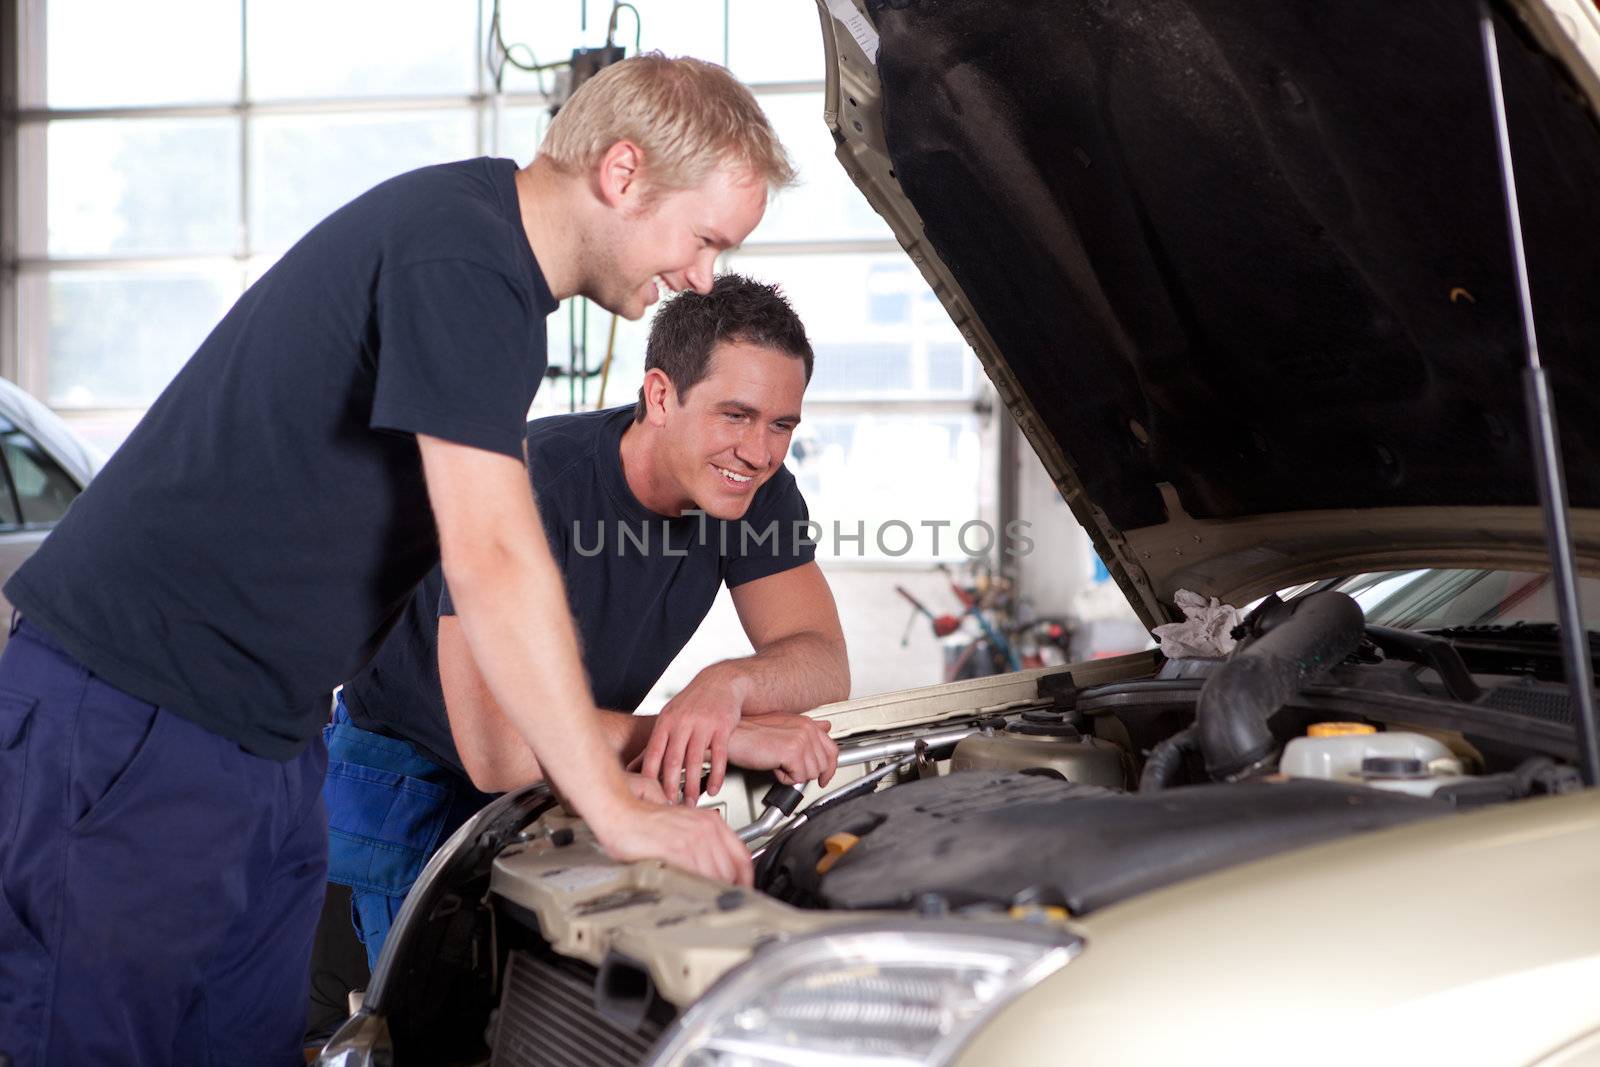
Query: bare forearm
(513, 615)
(517, 628)
(545, 704)
(494, 754)
(498, 760)
(791, 617)
(797, 673)
(789, 675)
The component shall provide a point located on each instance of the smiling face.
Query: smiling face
(731, 432)
(671, 241)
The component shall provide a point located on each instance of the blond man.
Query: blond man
(354, 419)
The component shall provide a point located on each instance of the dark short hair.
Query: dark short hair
(690, 326)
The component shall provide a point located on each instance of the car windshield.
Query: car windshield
(1435, 599)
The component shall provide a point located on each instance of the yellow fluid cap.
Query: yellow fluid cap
(836, 845)
(1039, 913)
(1339, 729)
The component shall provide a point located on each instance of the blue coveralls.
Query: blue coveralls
(390, 809)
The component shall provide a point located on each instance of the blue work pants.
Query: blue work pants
(389, 809)
(159, 886)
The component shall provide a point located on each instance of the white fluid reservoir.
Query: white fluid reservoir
(1342, 756)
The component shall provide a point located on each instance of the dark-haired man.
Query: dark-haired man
(649, 512)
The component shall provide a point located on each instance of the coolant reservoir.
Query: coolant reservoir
(1041, 740)
(1398, 760)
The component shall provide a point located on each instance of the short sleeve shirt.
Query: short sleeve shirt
(639, 583)
(251, 544)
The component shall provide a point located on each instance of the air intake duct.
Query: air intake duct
(1298, 641)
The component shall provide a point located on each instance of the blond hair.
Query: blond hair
(688, 116)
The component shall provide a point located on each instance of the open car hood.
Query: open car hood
(1241, 271)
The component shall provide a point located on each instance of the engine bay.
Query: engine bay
(1107, 792)
(1090, 795)
(1042, 809)
(1009, 822)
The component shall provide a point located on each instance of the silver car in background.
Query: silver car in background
(44, 465)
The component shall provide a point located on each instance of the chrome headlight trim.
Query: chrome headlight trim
(1017, 956)
(363, 1041)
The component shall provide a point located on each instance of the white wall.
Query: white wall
(1059, 576)
(874, 619)
(1056, 577)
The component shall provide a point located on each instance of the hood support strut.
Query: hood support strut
(1547, 452)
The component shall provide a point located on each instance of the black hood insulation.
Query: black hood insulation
(1257, 250)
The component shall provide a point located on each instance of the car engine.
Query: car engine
(533, 948)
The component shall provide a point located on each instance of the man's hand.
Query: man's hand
(639, 787)
(646, 789)
(696, 840)
(692, 729)
(795, 747)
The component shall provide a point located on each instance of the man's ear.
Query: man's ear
(619, 176)
(658, 390)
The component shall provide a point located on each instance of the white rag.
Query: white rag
(1205, 634)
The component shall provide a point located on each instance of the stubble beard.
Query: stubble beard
(608, 286)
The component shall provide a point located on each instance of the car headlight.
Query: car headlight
(879, 995)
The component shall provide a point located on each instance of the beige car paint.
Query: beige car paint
(930, 703)
(910, 709)
(1473, 939)
(1584, 1052)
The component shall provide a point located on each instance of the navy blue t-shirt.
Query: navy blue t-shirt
(635, 607)
(254, 540)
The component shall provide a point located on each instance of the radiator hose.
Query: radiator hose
(1166, 759)
(1299, 641)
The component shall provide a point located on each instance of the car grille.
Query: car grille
(547, 1018)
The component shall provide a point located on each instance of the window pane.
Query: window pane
(876, 328)
(770, 42)
(305, 49)
(826, 205)
(101, 54)
(143, 187)
(116, 338)
(547, 33)
(870, 472)
(303, 167)
(43, 488)
(521, 130)
(678, 28)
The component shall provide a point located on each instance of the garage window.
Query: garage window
(167, 152)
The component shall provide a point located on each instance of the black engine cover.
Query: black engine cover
(977, 837)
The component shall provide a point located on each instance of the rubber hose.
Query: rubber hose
(1242, 695)
(1165, 760)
